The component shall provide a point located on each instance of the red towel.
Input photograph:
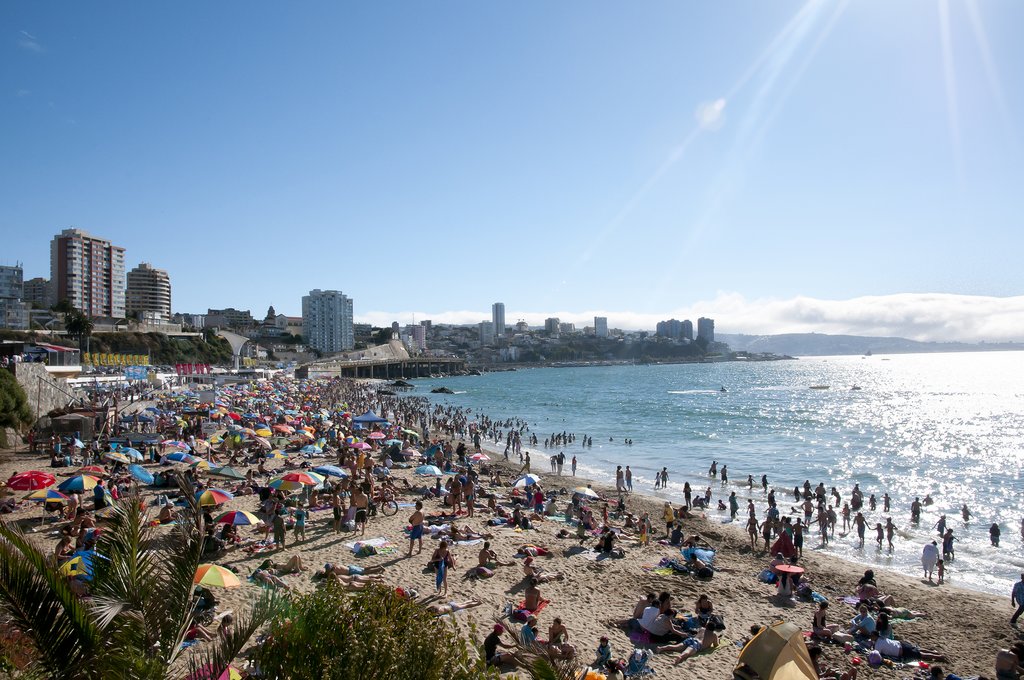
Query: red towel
(538, 610)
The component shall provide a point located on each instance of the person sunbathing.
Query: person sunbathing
(443, 608)
(532, 596)
(266, 578)
(292, 566)
(531, 550)
(703, 639)
(465, 533)
(489, 559)
(533, 571)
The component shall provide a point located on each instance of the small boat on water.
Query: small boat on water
(855, 388)
(819, 387)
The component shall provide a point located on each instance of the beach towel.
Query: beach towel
(538, 610)
(475, 541)
(702, 554)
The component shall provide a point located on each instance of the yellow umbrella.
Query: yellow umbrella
(217, 576)
(264, 432)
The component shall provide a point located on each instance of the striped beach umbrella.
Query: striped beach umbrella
(237, 518)
(276, 453)
(180, 457)
(94, 470)
(306, 478)
(117, 457)
(216, 576)
(330, 471)
(78, 483)
(213, 497)
(47, 496)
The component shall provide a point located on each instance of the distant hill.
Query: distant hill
(821, 344)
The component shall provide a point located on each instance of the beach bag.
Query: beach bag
(484, 572)
(716, 622)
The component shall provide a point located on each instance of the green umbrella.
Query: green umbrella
(229, 472)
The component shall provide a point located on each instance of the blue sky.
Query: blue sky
(640, 160)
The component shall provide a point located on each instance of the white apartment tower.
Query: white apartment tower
(498, 318)
(327, 321)
(601, 326)
(149, 293)
(88, 272)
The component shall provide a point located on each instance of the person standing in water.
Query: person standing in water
(965, 513)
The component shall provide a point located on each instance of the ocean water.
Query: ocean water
(949, 425)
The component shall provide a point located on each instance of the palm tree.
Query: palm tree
(140, 606)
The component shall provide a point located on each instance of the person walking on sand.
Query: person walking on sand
(526, 464)
(688, 494)
(620, 485)
(416, 528)
(574, 465)
(629, 479)
(1017, 600)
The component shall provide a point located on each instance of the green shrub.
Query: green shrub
(374, 633)
(14, 409)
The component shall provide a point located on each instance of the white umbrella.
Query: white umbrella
(527, 480)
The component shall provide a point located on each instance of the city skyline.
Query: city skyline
(792, 166)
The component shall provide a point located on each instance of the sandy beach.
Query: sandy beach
(598, 591)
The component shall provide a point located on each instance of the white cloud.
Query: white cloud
(27, 41)
(917, 316)
(710, 115)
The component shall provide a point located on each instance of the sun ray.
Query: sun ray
(978, 26)
(949, 74)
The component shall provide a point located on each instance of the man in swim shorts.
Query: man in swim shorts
(416, 532)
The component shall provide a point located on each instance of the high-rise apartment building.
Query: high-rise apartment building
(688, 330)
(88, 272)
(601, 326)
(13, 310)
(498, 318)
(149, 293)
(706, 329)
(486, 330)
(327, 321)
(552, 326)
(673, 329)
(37, 292)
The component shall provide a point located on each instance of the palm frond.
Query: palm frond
(216, 658)
(541, 662)
(41, 604)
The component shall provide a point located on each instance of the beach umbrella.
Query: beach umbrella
(429, 470)
(285, 485)
(527, 480)
(311, 448)
(47, 496)
(287, 429)
(263, 442)
(201, 464)
(202, 445)
(181, 457)
(362, 446)
(307, 478)
(227, 472)
(234, 416)
(92, 470)
(394, 442)
(277, 453)
(216, 576)
(31, 480)
(411, 433)
(140, 473)
(117, 457)
(78, 483)
(263, 432)
(175, 444)
(330, 471)
(213, 497)
(238, 518)
(477, 457)
(131, 453)
(78, 443)
(376, 435)
(586, 492)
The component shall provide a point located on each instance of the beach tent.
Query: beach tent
(369, 417)
(778, 652)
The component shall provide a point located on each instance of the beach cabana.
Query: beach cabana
(778, 652)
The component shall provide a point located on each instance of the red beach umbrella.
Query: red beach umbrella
(31, 481)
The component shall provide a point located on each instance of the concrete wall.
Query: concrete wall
(44, 391)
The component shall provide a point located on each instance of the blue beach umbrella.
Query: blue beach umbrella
(429, 471)
(132, 453)
(330, 471)
(527, 480)
(311, 448)
(140, 473)
(179, 457)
